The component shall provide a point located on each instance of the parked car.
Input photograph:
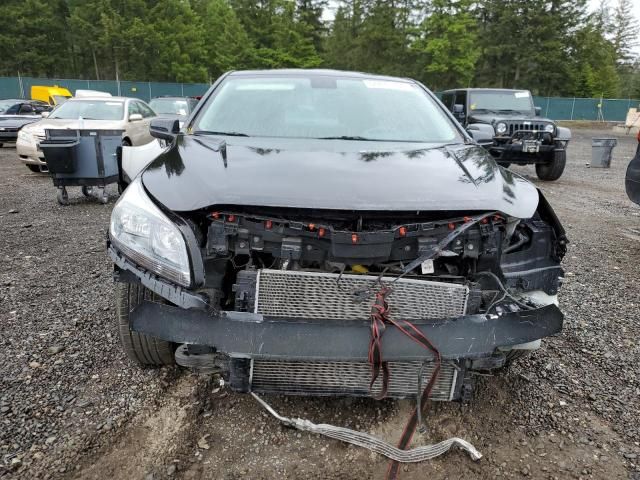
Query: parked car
(300, 213)
(16, 113)
(50, 95)
(632, 179)
(173, 107)
(520, 135)
(117, 113)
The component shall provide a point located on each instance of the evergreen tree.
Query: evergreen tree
(226, 41)
(448, 45)
(594, 62)
(309, 14)
(625, 31)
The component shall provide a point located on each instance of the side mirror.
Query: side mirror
(45, 114)
(164, 128)
(482, 134)
(538, 111)
(135, 117)
(458, 110)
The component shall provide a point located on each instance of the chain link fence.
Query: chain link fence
(594, 109)
(20, 87)
(556, 108)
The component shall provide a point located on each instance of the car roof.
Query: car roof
(103, 99)
(169, 97)
(317, 72)
(486, 90)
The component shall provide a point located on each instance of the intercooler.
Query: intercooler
(348, 378)
(330, 297)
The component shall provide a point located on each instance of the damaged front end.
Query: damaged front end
(281, 298)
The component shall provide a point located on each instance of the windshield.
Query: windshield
(89, 110)
(170, 106)
(498, 101)
(6, 105)
(325, 107)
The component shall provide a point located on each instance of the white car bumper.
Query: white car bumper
(28, 150)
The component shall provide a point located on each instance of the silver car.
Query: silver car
(112, 113)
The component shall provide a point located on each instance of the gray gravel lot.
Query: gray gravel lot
(72, 407)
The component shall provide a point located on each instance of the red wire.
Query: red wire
(379, 317)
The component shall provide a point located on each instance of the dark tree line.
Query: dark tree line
(553, 47)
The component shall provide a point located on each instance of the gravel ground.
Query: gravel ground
(72, 407)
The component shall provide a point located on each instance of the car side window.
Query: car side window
(447, 99)
(145, 110)
(133, 108)
(13, 109)
(461, 99)
(26, 108)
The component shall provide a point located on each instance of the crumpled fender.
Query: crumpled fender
(135, 159)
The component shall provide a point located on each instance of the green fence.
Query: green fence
(20, 87)
(556, 108)
(608, 110)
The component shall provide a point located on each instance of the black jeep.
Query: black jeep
(519, 134)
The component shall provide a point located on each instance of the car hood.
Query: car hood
(200, 172)
(14, 121)
(40, 126)
(492, 118)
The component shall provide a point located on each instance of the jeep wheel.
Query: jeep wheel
(552, 170)
(140, 348)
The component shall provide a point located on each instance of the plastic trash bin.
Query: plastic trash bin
(601, 150)
(85, 158)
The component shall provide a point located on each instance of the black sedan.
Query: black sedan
(15, 114)
(299, 214)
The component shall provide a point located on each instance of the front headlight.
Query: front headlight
(501, 128)
(549, 128)
(24, 136)
(145, 235)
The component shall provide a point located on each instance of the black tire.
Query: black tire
(33, 168)
(86, 191)
(553, 170)
(140, 348)
(126, 142)
(513, 356)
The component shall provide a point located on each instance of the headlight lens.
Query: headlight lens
(549, 128)
(144, 234)
(501, 128)
(25, 136)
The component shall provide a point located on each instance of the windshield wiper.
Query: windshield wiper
(509, 110)
(350, 137)
(229, 134)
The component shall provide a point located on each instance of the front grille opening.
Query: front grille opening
(348, 378)
(296, 294)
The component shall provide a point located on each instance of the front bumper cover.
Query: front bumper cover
(258, 336)
(241, 334)
(512, 153)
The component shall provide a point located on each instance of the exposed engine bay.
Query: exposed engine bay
(497, 252)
